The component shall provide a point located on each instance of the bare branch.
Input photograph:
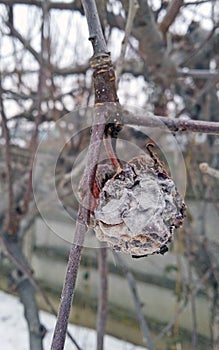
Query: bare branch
(133, 7)
(102, 299)
(198, 49)
(25, 42)
(94, 26)
(183, 304)
(197, 73)
(141, 319)
(10, 222)
(152, 47)
(104, 86)
(26, 291)
(39, 99)
(172, 12)
(195, 3)
(206, 169)
(75, 252)
(176, 125)
(59, 5)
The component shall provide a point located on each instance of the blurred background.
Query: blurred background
(170, 68)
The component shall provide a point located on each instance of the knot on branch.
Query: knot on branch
(104, 80)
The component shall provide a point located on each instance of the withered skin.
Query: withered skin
(138, 208)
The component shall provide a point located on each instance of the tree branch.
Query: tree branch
(176, 125)
(152, 47)
(133, 7)
(132, 285)
(102, 299)
(197, 50)
(59, 5)
(171, 14)
(10, 221)
(206, 169)
(25, 42)
(197, 73)
(26, 291)
(183, 303)
(104, 85)
(95, 31)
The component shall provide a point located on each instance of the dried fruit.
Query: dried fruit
(138, 208)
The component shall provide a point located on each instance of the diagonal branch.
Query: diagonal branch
(132, 285)
(26, 290)
(206, 169)
(152, 46)
(23, 41)
(199, 48)
(133, 7)
(171, 14)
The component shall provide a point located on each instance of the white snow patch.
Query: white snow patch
(14, 334)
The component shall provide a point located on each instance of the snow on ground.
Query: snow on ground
(13, 330)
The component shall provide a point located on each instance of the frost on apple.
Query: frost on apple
(138, 209)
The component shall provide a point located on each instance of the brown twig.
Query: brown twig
(196, 51)
(206, 169)
(41, 85)
(83, 218)
(176, 125)
(133, 7)
(10, 224)
(171, 14)
(102, 299)
(104, 85)
(141, 319)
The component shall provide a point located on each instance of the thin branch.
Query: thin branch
(102, 300)
(206, 169)
(25, 42)
(56, 5)
(26, 291)
(182, 306)
(171, 14)
(9, 218)
(69, 286)
(133, 7)
(105, 91)
(81, 229)
(21, 265)
(195, 3)
(196, 50)
(141, 319)
(94, 26)
(193, 300)
(176, 125)
(197, 73)
(151, 46)
(39, 99)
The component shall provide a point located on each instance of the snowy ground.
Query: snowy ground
(13, 330)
